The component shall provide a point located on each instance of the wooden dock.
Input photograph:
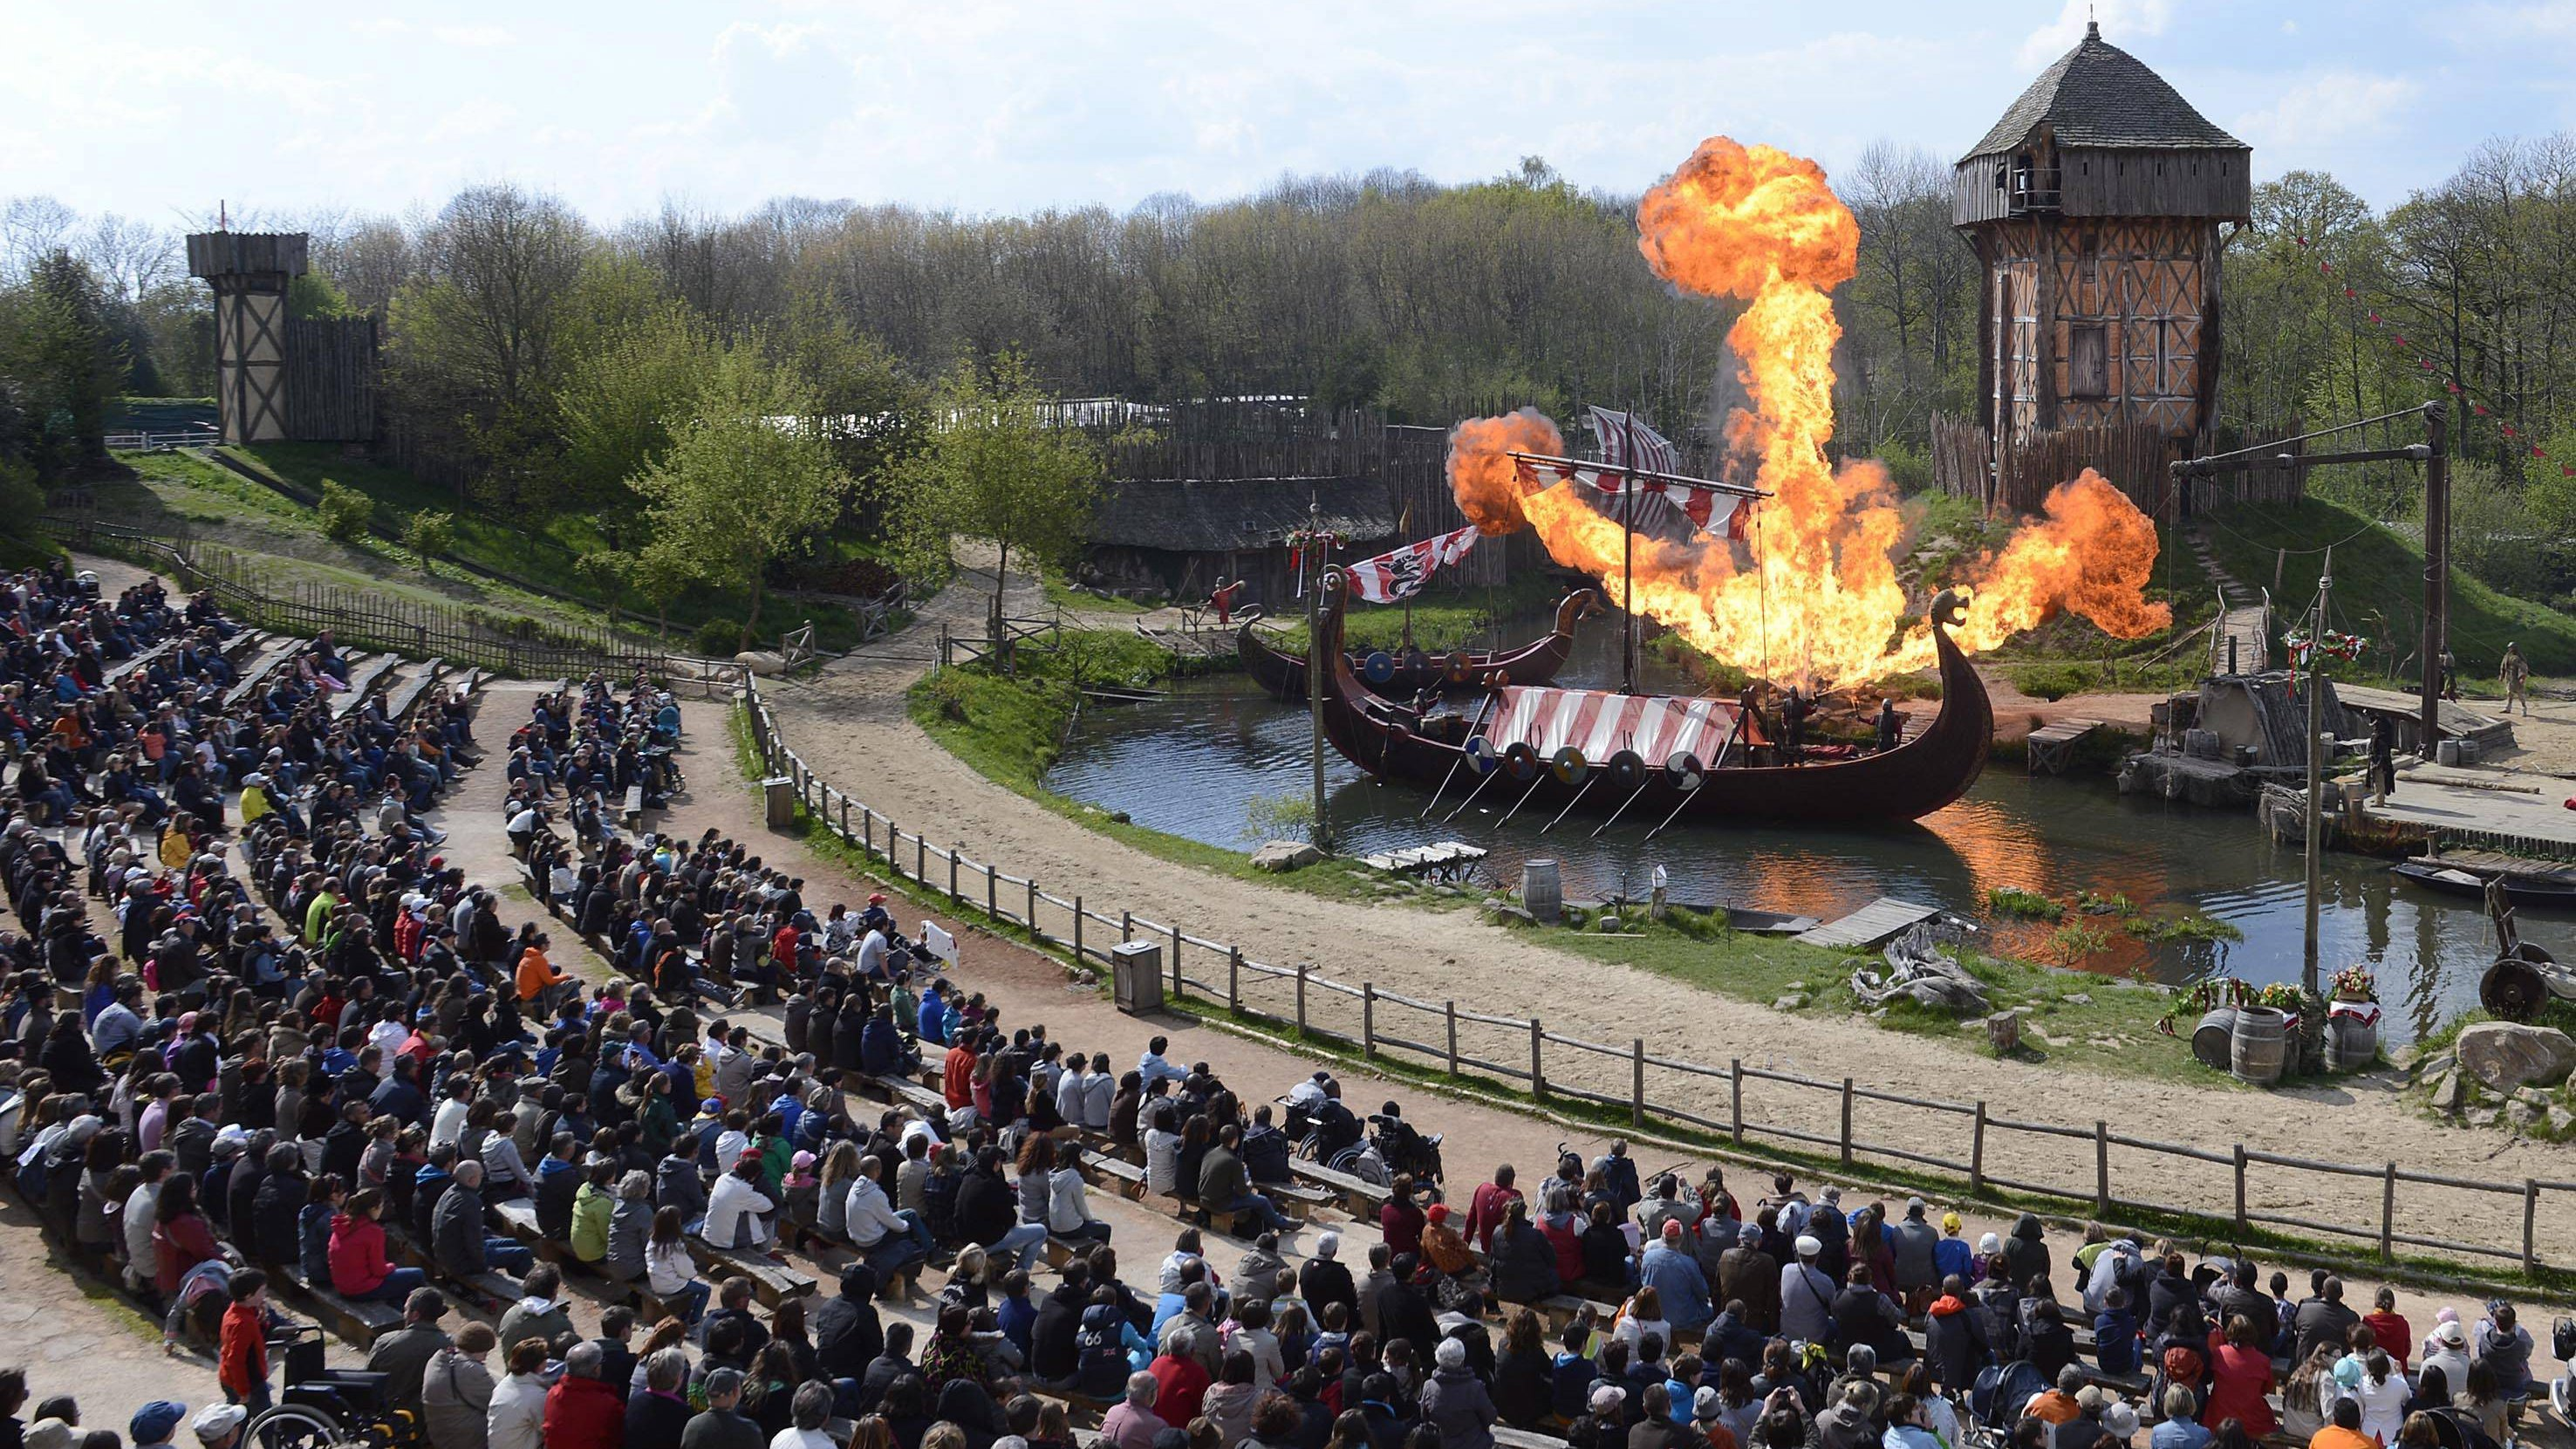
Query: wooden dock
(1445, 861)
(1871, 926)
(2053, 745)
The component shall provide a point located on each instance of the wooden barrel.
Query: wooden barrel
(1542, 892)
(2209, 1039)
(2257, 1044)
(2352, 1044)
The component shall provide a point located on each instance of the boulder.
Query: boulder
(2450, 1094)
(762, 661)
(2507, 1054)
(1607, 925)
(1285, 855)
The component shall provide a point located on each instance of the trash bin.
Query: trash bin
(778, 797)
(1136, 976)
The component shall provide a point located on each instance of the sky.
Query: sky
(160, 111)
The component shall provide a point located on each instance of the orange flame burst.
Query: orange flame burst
(1813, 594)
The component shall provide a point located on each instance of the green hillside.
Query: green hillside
(2379, 588)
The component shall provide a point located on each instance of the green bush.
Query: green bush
(2014, 902)
(345, 512)
(717, 638)
(2053, 681)
(429, 534)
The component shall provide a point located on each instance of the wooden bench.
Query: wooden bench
(363, 678)
(273, 653)
(401, 702)
(771, 1283)
(1360, 1199)
(905, 1092)
(142, 661)
(1508, 1437)
(632, 815)
(1563, 1308)
(355, 1320)
(518, 1217)
(1127, 1179)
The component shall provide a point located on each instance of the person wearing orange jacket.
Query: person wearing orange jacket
(241, 1361)
(538, 977)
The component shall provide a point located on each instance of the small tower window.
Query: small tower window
(2088, 361)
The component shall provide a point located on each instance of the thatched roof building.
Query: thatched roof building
(1178, 537)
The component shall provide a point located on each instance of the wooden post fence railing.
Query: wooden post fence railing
(1790, 1110)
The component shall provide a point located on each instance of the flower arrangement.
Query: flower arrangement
(2332, 644)
(2356, 983)
(2280, 996)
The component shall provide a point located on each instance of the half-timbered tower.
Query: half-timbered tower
(2095, 206)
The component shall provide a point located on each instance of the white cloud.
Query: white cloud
(2330, 110)
(2122, 22)
(474, 37)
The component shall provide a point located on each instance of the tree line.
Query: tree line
(546, 357)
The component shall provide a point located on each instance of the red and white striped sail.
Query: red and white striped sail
(1707, 508)
(1601, 723)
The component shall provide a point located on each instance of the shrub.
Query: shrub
(345, 512)
(2073, 943)
(716, 638)
(428, 534)
(2053, 681)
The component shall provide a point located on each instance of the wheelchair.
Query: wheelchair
(327, 1408)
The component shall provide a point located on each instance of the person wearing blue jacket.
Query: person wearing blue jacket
(2115, 1334)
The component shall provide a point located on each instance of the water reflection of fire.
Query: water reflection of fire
(1812, 594)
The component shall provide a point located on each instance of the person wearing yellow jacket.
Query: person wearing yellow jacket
(592, 1208)
(255, 805)
(176, 849)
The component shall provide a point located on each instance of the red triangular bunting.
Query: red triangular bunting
(2349, 292)
(2480, 407)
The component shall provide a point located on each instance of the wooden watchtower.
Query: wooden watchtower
(2095, 206)
(249, 272)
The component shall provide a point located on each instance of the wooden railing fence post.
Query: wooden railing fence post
(2101, 1168)
(1538, 1070)
(956, 848)
(1301, 998)
(1977, 1154)
(1034, 933)
(1735, 1099)
(1449, 1011)
(2388, 1215)
(1077, 930)
(1234, 978)
(1368, 1021)
(2530, 1225)
(2240, 1188)
(1176, 958)
(1637, 1082)
(1847, 1121)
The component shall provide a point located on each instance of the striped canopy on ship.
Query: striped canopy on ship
(1601, 723)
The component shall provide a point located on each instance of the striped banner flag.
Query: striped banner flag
(1393, 577)
(1707, 508)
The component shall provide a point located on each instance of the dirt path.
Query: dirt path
(851, 726)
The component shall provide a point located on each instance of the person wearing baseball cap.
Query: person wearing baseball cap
(154, 1423)
(219, 1426)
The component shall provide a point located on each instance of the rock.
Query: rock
(1794, 1001)
(2560, 1122)
(1285, 855)
(1796, 986)
(2433, 1069)
(1607, 925)
(2450, 1094)
(2532, 1097)
(762, 661)
(2521, 1114)
(2078, 998)
(2482, 1117)
(2506, 1054)
(1506, 914)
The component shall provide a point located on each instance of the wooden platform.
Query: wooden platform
(1445, 861)
(1870, 926)
(2052, 745)
(2459, 722)
(2249, 628)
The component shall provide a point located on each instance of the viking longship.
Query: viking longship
(1662, 756)
(1405, 674)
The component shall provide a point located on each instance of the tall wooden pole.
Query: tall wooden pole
(2437, 538)
(2316, 778)
(1628, 560)
(1316, 663)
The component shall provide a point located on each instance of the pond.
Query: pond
(1198, 761)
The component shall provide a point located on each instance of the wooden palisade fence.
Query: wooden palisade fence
(1553, 1065)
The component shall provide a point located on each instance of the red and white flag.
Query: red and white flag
(1626, 441)
(1707, 508)
(1391, 578)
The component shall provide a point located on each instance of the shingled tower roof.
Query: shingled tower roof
(2100, 95)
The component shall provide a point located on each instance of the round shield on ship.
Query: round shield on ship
(1378, 668)
(1685, 769)
(1459, 669)
(1627, 768)
(1520, 761)
(1569, 766)
(1481, 757)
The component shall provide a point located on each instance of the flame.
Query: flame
(1812, 595)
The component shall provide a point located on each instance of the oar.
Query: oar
(1727, 744)
(1472, 727)
(1623, 808)
(1491, 776)
(1524, 800)
(1584, 789)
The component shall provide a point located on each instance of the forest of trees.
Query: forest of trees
(535, 352)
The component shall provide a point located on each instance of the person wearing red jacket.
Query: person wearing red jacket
(582, 1410)
(241, 1359)
(360, 1267)
(1181, 1382)
(1485, 1209)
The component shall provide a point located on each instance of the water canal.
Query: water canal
(1195, 762)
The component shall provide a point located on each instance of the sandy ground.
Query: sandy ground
(851, 727)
